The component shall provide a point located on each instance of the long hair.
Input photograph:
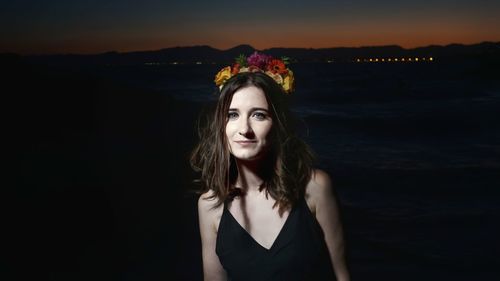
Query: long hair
(288, 164)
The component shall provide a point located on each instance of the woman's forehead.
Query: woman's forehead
(249, 97)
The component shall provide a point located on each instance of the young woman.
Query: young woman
(264, 212)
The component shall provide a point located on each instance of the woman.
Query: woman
(264, 212)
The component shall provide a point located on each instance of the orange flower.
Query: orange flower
(277, 66)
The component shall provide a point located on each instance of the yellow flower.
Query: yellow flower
(276, 77)
(288, 82)
(223, 75)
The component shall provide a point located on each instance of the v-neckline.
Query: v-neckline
(253, 239)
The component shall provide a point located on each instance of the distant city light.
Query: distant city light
(409, 59)
(357, 60)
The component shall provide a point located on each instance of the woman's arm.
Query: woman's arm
(327, 214)
(212, 269)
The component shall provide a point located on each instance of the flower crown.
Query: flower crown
(258, 62)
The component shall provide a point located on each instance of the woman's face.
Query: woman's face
(248, 124)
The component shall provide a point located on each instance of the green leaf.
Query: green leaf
(241, 60)
(286, 60)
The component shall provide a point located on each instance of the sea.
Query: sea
(413, 149)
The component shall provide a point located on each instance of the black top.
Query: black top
(298, 253)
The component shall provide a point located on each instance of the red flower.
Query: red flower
(277, 66)
(235, 69)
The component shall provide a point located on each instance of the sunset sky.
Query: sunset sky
(95, 26)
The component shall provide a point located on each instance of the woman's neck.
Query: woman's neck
(249, 175)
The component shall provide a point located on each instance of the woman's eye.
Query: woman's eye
(232, 115)
(259, 115)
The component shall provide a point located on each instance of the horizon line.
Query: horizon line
(246, 45)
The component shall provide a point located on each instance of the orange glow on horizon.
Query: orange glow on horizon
(96, 45)
(316, 24)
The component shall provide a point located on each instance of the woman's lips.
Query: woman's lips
(245, 142)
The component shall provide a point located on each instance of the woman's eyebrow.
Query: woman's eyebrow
(259, 108)
(251, 109)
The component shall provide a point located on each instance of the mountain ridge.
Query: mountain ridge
(206, 54)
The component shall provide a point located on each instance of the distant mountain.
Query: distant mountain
(207, 54)
(240, 49)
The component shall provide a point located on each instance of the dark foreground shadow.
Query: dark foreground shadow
(101, 179)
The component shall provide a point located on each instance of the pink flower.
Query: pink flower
(259, 60)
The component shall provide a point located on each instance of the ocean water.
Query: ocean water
(413, 150)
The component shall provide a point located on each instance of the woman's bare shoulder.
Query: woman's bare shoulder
(207, 201)
(208, 213)
(319, 183)
(318, 187)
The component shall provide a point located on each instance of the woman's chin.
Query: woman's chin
(247, 156)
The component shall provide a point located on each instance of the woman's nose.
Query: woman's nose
(245, 128)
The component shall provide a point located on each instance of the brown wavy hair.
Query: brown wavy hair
(288, 165)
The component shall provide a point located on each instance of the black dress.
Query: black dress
(298, 253)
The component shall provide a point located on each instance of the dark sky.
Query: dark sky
(94, 26)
